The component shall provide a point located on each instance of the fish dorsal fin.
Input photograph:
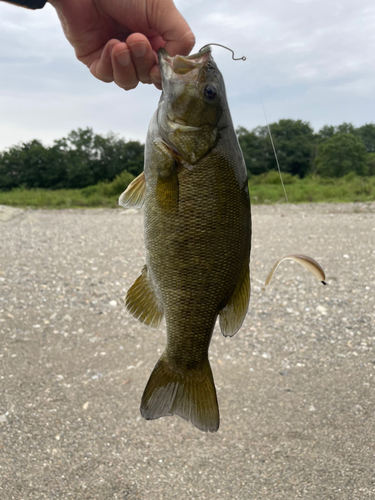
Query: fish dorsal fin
(233, 314)
(142, 302)
(134, 195)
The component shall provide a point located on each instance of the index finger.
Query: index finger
(167, 21)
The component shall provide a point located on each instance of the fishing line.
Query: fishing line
(272, 143)
(243, 58)
(304, 260)
(269, 132)
(307, 262)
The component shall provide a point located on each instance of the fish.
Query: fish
(197, 236)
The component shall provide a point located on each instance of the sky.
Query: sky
(314, 60)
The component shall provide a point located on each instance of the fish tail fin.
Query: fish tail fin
(190, 394)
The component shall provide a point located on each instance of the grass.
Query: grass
(267, 189)
(104, 194)
(264, 189)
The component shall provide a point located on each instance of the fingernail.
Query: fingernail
(138, 49)
(123, 57)
(155, 75)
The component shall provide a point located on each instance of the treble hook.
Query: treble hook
(243, 58)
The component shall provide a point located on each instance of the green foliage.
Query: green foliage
(371, 163)
(103, 194)
(83, 158)
(273, 178)
(367, 134)
(341, 154)
(256, 149)
(329, 131)
(78, 160)
(264, 189)
(108, 189)
(31, 165)
(350, 188)
(326, 132)
(294, 143)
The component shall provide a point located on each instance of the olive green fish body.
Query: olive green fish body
(197, 251)
(197, 230)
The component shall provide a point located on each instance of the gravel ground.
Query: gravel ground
(295, 385)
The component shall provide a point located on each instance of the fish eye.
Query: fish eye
(210, 92)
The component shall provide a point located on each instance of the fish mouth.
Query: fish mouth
(185, 68)
(179, 124)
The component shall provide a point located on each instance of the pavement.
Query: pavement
(296, 385)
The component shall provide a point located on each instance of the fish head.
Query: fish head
(191, 103)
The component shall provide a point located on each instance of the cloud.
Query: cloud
(313, 60)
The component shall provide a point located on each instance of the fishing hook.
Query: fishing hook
(243, 58)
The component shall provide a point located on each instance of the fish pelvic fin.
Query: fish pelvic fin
(134, 195)
(190, 394)
(142, 303)
(233, 314)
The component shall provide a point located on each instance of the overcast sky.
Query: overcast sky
(314, 59)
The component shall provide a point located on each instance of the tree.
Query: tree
(345, 128)
(77, 149)
(329, 131)
(341, 154)
(371, 163)
(80, 159)
(367, 134)
(256, 149)
(92, 158)
(113, 155)
(31, 165)
(294, 142)
(326, 132)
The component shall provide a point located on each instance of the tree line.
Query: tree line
(84, 158)
(334, 151)
(81, 159)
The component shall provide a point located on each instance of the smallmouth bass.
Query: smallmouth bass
(197, 234)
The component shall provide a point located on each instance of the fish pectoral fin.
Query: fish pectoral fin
(191, 394)
(142, 303)
(304, 260)
(134, 195)
(233, 314)
(167, 192)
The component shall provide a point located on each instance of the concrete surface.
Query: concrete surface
(295, 385)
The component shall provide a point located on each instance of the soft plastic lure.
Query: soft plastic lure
(304, 260)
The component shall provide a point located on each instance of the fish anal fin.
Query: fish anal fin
(142, 302)
(233, 314)
(190, 394)
(134, 195)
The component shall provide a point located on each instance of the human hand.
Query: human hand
(118, 39)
